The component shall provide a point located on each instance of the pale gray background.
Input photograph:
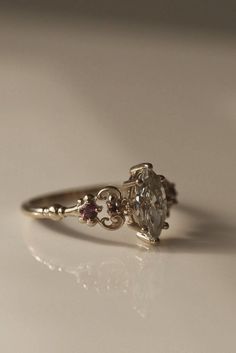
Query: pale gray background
(82, 99)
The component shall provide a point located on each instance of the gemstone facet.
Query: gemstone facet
(88, 212)
(149, 203)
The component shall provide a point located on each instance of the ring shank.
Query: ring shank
(61, 204)
(39, 207)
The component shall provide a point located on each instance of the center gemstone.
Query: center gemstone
(149, 203)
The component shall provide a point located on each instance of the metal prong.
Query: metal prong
(99, 208)
(139, 182)
(140, 166)
(91, 223)
(165, 225)
(88, 198)
(141, 235)
(162, 178)
(128, 184)
(81, 220)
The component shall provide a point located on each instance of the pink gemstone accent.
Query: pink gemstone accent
(89, 212)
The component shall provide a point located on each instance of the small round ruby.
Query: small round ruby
(89, 212)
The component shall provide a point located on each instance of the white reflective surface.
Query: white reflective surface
(76, 100)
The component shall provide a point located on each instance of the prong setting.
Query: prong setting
(143, 202)
(140, 166)
(148, 202)
(165, 225)
(88, 210)
(147, 238)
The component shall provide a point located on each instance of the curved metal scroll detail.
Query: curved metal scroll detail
(87, 209)
(109, 192)
(113, 199)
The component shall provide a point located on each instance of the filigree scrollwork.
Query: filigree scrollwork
(113, 199)
(87, 208)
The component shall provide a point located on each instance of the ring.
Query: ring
(143, 202)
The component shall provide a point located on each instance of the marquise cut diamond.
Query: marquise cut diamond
(150, 203)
